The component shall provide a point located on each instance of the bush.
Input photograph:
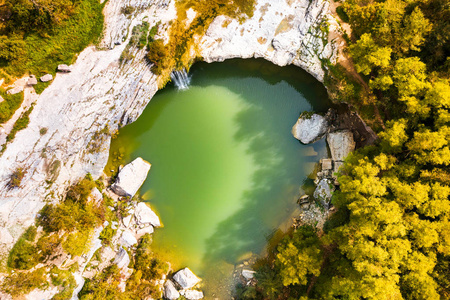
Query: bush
(23, 255)
(21, 283)
(158, 55)
(16, 178)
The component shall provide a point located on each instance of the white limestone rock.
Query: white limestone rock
(186, 279)
(46, 78)
(324, 191)
(145, 215)
(128, 239)
(32, 80)
(308, 129)
(126, 221)
(15, 90)
(64, 68)
(193, 295)
(5, 236)
(122, 259)
(170, 292)
(341, 144)
(149, 229)
(131, 177)
(248, 274)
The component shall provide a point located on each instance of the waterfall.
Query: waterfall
(181, 79)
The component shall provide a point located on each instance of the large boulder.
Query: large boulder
(193, 295)
(324, 191)
(341, 143)
(170, 292)
(15, 90)
(186, 279)
(145, 215)
(309, 128)
(32, 80)
(131, 177)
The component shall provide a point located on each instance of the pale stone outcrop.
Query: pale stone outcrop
(170, 292)
(341, 144)
(122, 259)
(46, 78)
(32, 80)
(186, 279)
(145, 230)
(15, 90)
(193, 295)
(308, 128)
(131, 177)
(96, 196)
(101, 91)
(145, 215)
(128, 239)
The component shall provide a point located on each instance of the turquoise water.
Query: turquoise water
(226, 171)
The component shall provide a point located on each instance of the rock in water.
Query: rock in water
(64, 68)
(46, 77)
(341, 143)
(193, 295)
(310, 128)
(170, 292)
(131, 177)
(248, 274)
(186, 279)
(323, 191)
(145, 215)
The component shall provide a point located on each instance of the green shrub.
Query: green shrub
(77, 243)
(23, 255)
(21, 283)
(65, 280)
(16, 178)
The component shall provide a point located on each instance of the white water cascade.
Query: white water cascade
(181, 79)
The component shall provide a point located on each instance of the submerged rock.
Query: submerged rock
(186, 279)
(193, 295)
(309, 128)
(131, 177)
(46, 77)
(341, 143)
(323, 192)
(170, 292)
(145, 215)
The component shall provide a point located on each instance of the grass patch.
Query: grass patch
(20, 124)
(43, 51)
(10, 104)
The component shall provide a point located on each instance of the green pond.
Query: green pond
(226, 171)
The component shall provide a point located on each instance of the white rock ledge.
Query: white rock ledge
(308, 129)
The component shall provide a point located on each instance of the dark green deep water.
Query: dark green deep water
(226, 171)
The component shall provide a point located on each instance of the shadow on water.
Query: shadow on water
(276, 178)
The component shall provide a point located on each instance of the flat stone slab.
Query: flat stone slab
(170, 292)
(341, 144)
(128, 239)
(46, 77)
(186, 279)
(32, 81)
(131, 177)
(326, 164)
(15, 90)
(64, 68)
(308, 129)
(145, 215)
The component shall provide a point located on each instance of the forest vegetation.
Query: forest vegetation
(390, 236)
